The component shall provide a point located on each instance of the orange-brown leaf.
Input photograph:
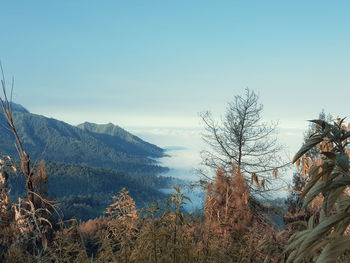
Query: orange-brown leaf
(298, 163)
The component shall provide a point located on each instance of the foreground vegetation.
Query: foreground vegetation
(127, 234)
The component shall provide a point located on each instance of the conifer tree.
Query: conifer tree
(244, 140)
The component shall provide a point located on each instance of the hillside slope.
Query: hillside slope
(121, 140)
(54, 140)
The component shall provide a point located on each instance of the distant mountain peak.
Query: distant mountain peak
(109, 129)
(115, 131)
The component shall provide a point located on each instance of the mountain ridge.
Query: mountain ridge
(113, 133)
(54, 140)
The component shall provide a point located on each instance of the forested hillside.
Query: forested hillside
(87, 164)
(84, 192)
(93, 145)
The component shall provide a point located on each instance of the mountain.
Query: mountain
(121, 140)
(106, 146)
(87, 164)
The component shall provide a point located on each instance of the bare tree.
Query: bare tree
(242, 139)
(32, 213)
(25, 161)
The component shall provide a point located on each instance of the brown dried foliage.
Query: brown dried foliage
(226, 206)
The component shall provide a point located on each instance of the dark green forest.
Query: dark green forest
(84, 192)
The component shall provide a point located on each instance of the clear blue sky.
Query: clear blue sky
(159, 63)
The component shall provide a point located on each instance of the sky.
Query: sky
(158, 63)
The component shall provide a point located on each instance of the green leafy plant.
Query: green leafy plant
(329, 239)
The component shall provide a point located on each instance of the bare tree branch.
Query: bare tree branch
(242, 139)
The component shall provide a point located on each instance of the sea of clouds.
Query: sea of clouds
(184, 144)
